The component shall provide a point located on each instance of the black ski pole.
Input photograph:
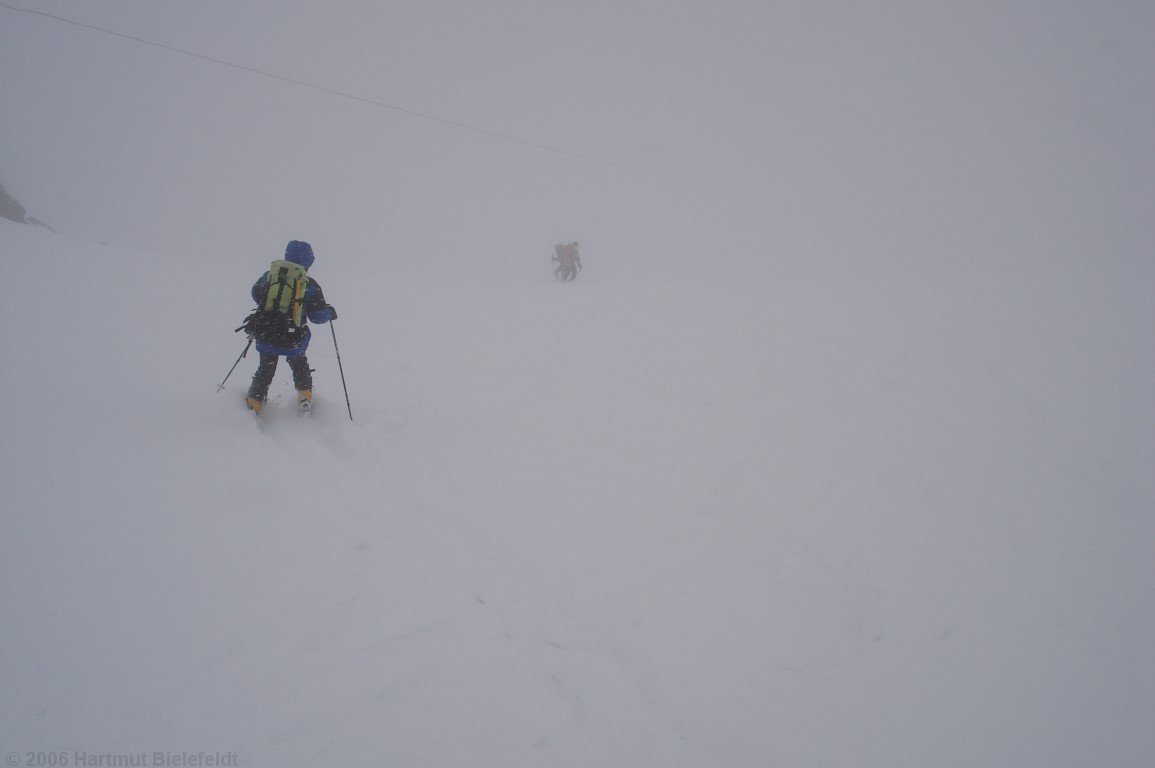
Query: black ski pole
(230, 373)
(341, 369)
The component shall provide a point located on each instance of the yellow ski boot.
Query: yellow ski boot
(305, 400)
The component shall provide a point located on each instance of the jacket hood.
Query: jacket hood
(299, 252)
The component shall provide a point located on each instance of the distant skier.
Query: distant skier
(286, 298)
(569, 262)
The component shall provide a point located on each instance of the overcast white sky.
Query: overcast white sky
(850, 133)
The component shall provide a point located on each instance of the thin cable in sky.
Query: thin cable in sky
(380, 104)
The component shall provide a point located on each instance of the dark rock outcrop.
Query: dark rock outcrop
(10, 209)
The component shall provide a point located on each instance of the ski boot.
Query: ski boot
(253, 404)
(305, 400)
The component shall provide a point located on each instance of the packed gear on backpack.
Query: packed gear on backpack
(279, 321)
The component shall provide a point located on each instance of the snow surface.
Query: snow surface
(901, 520)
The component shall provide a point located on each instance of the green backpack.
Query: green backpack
(280, 320)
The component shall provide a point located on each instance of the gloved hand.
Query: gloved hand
(332, 313)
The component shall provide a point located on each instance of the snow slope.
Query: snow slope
(876, 520)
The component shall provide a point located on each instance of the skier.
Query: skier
(286, 296)
(569, 262)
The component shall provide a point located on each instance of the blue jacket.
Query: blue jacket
(316, 308)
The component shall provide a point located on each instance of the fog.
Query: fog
(836, 453)
(782, 136)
